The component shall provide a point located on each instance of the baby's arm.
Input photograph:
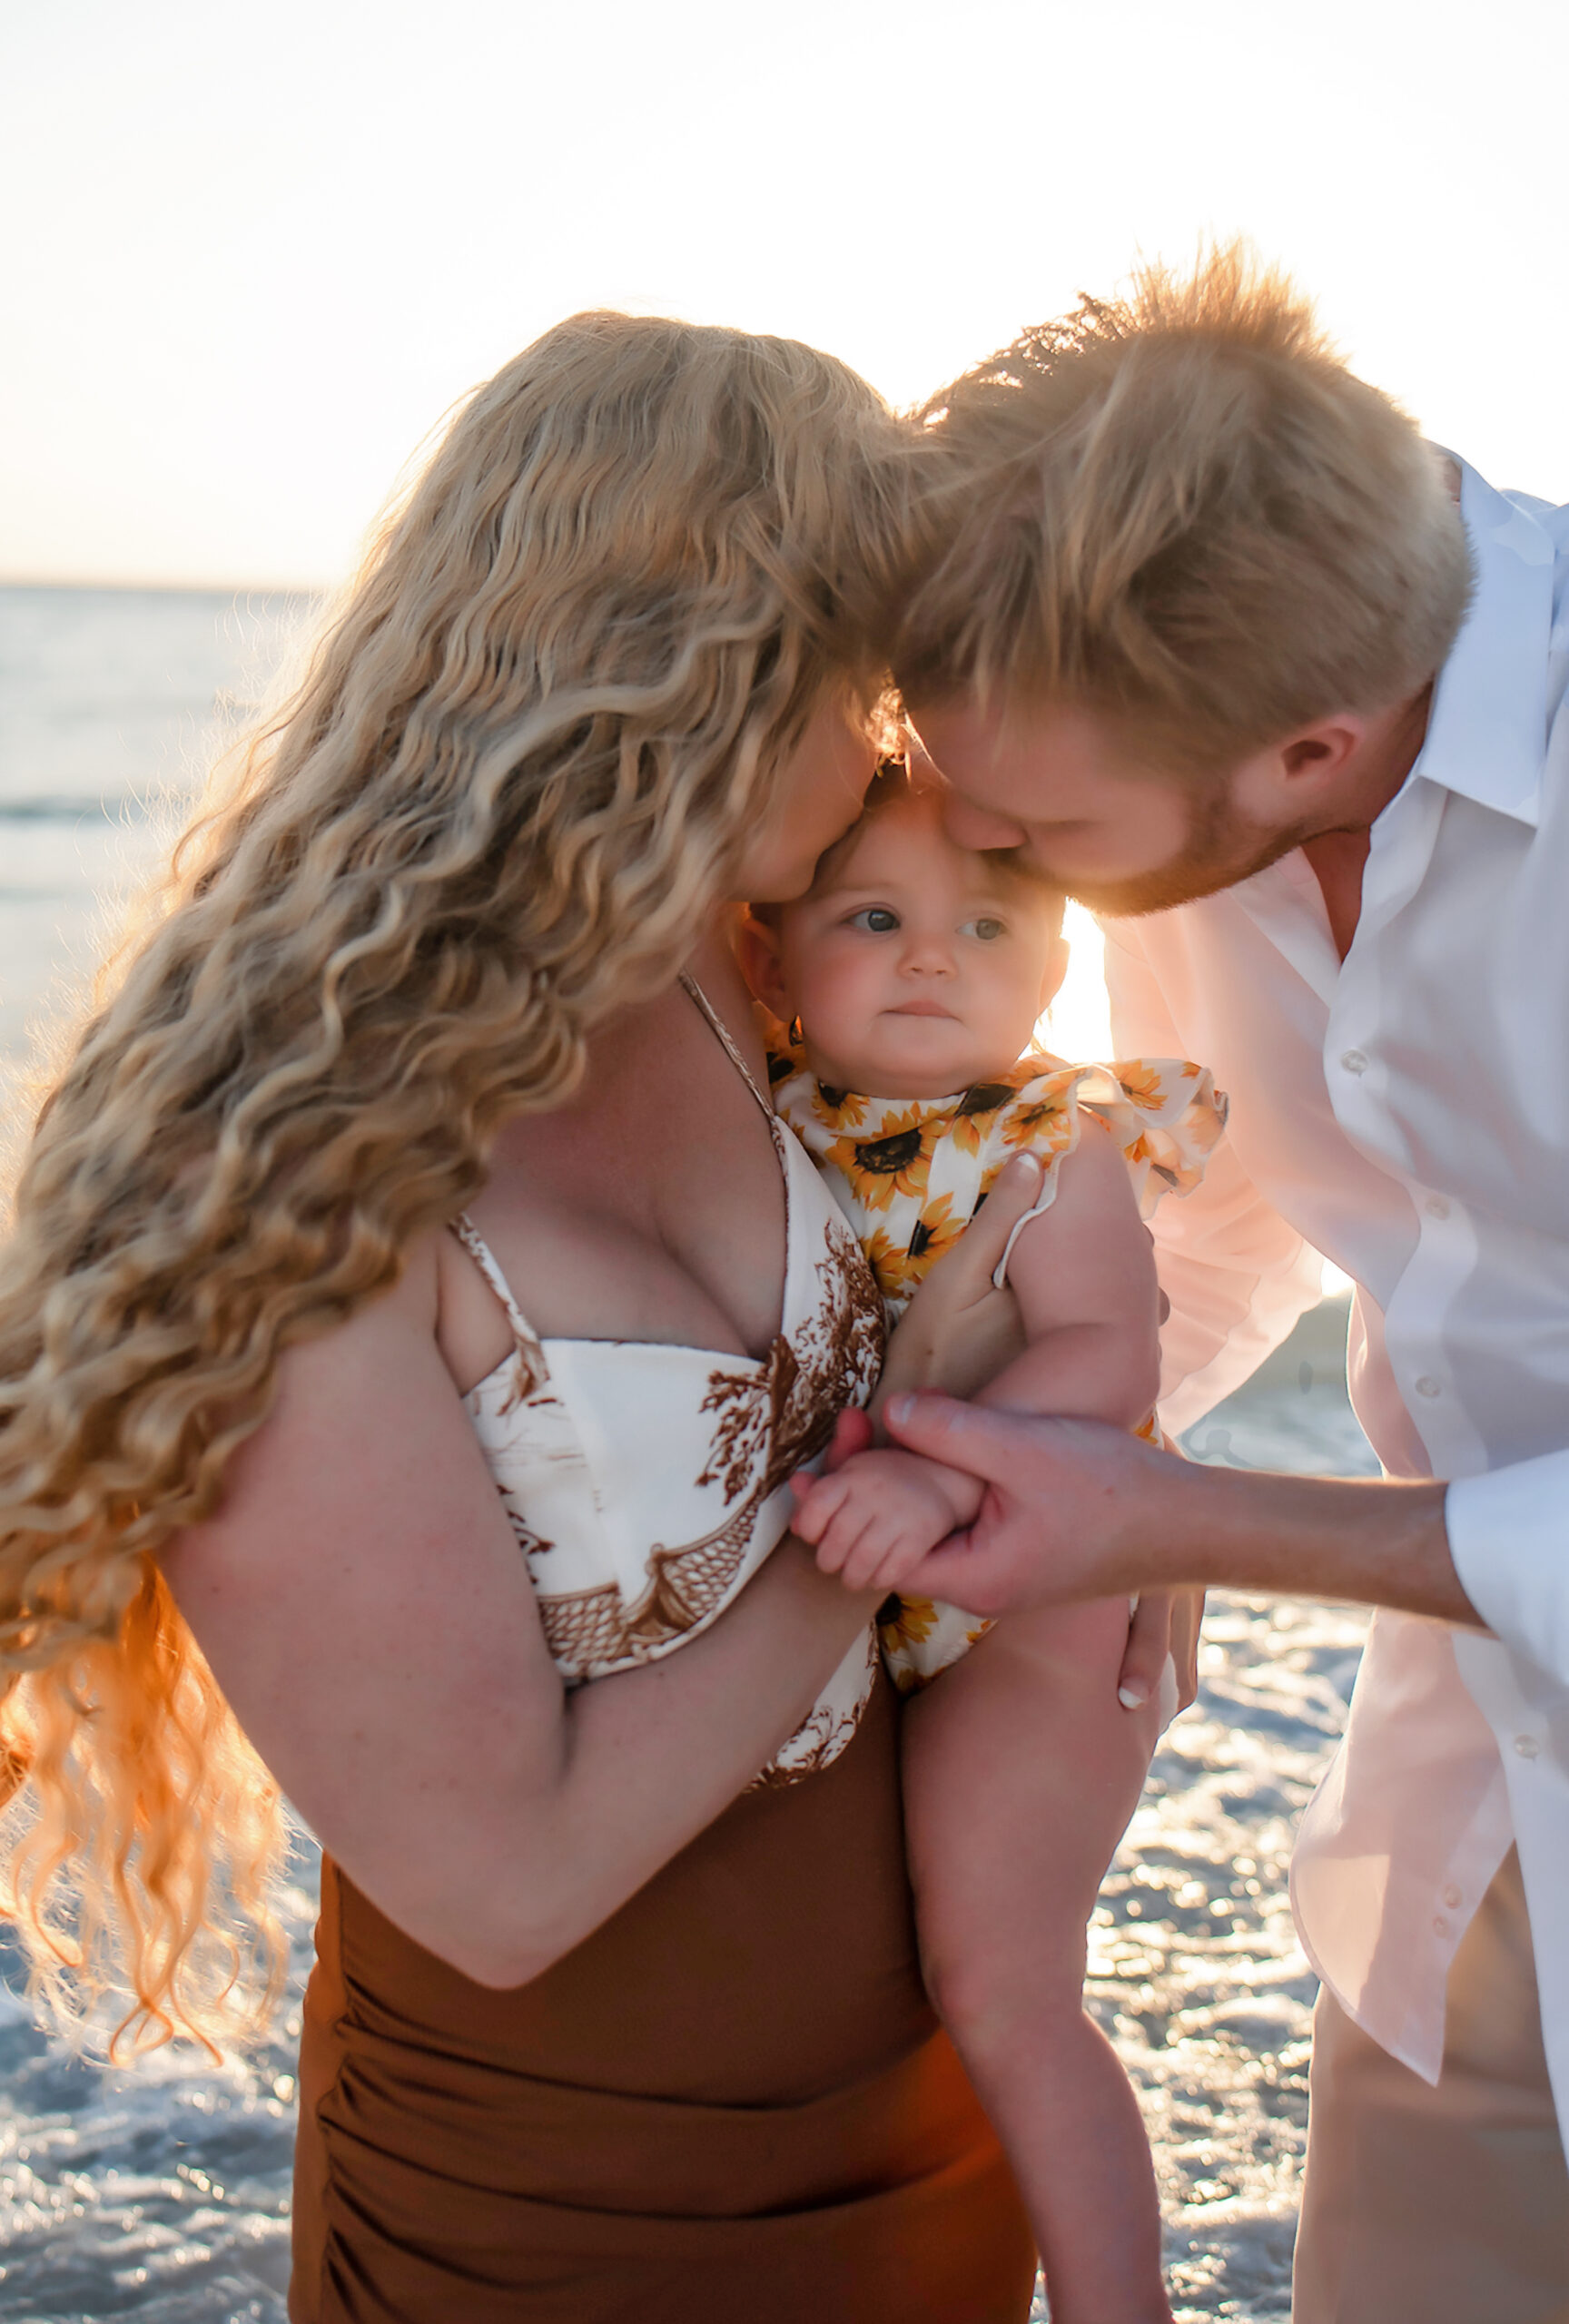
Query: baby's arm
(1084, 1275)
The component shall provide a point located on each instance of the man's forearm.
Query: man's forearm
(1373, 1541)
(1077, 1510)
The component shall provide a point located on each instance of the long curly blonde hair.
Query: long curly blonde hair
(519, 770)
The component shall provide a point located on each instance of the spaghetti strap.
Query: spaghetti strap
(719, 1028)
(484, 1258)
(527, 1338)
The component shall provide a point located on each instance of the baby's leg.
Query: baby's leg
(1022, 1769)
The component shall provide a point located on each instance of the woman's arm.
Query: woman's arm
(364, 1605)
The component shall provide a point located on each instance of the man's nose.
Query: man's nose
(978, 828)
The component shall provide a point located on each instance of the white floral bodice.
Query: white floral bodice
(646, 1484)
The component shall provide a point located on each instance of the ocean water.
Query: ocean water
(111, 704)
(161, 2192)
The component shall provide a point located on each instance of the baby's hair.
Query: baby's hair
(892, 782)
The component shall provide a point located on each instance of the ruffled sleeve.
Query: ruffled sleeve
(1167, 1116)
(1165, 1113)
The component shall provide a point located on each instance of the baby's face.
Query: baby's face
(918, 967)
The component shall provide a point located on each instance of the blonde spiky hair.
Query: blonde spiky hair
(1180, 507)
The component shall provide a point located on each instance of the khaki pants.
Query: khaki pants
(1446, 2206)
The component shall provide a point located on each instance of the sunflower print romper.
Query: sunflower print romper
(909, 1173)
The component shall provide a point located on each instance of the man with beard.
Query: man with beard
(1211, 636)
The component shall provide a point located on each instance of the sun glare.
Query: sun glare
(1077, 1025)
(222, 342)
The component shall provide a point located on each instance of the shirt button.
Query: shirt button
(1452, 1897)
(1440, 1925)
(1436, 1206)
(1355, 1060)
(1429, 1386)
(1527, 1746)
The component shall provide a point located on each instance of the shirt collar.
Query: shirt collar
(1487, 729)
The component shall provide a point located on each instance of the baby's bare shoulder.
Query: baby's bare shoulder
(1090, 1232)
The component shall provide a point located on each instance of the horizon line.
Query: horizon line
(163, 584)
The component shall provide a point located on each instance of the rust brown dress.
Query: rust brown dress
(731, 2104)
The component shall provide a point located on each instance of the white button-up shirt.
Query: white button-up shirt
(1407, 1114)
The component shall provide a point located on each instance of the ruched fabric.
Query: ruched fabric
(732, 2101)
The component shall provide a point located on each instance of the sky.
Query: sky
(249, 256)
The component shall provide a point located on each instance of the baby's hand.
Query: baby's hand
(873, 1521)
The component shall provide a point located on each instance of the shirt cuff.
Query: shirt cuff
(1508, 1533)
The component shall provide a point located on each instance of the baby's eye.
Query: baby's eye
(988, 930)
(875, 919)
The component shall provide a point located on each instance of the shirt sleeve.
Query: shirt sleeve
(1237, 1277)
(1509, 1531)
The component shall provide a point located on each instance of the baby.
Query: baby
(914, 970)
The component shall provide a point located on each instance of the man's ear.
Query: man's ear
(758, 950)
(1290, 777)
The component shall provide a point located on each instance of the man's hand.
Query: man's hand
(1075, 1509)
(1071, 1508)
(1165, 1623)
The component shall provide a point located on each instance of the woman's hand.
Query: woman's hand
(959, 1331)
(1165, 1623)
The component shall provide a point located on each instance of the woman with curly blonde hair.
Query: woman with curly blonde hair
(411, 1317)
